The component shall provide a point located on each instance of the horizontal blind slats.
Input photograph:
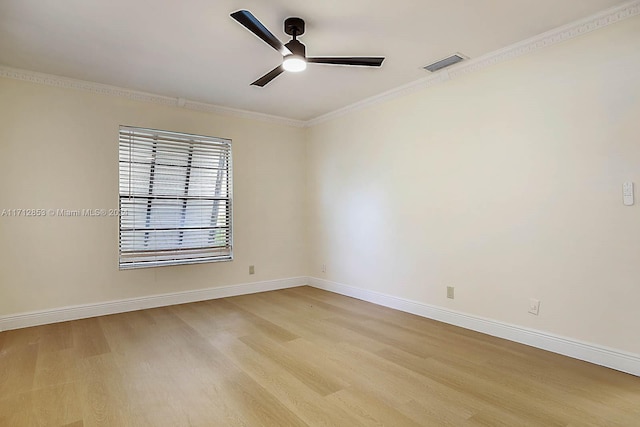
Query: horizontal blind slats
(175, 198)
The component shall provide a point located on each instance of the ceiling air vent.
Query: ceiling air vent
(446, 62)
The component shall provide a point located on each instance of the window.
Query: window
(175, 198)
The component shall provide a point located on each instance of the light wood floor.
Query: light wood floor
(295, 357)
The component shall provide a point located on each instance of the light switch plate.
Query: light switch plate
(627, 193)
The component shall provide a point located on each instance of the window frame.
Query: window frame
(192, 139)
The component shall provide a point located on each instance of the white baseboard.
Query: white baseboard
(63, 314)
(611, 358)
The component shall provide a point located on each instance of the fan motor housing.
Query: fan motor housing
(294, 26)
(297, 48)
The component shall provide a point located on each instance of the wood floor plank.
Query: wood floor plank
(369, 410)
(17, 368)
(55, 368)
(313, 328)
(55, 337)
(89, 339)
(308, 405)
(15, 410)
(19, 337)
(322, 381)
(435, 412)
(405, 343)
(526, 406)
(574, 405)
(56, 405)
(101, 385)
(297, 357)
(330, 306)
(395, 385)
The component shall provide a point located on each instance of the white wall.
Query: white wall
(504, 183)
(59, 150)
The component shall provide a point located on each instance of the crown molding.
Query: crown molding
(533, 44)
(102, 89)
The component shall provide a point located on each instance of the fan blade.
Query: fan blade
(269, 76)
(364, 61)
(251, 23)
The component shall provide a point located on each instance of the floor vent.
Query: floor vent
(446, 62)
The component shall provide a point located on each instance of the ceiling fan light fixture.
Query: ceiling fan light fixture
(294, 63)
(294, 52)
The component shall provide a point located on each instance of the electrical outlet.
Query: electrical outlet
(252, 269)
(450, 293)
(324, 268)
(534, 306)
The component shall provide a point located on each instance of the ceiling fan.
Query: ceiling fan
(293, 53)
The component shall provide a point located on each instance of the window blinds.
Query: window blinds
(175, 198)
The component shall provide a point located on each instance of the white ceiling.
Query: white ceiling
(194, 50)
